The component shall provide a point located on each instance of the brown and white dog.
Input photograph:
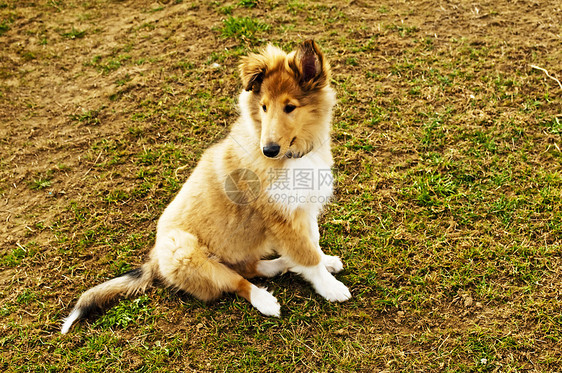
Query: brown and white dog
(255, 194)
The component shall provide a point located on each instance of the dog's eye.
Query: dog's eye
(264, 108)
(289, 108)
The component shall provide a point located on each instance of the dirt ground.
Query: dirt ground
(105, 106)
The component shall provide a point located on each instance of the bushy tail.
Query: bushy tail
(129, 283)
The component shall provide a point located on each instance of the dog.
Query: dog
(256, 194)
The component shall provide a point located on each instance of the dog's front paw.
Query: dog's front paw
(265, 302)
(332, 263)
(333, 290)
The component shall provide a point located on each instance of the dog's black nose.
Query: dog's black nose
(271, 150)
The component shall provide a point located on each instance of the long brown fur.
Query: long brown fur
(208, 243)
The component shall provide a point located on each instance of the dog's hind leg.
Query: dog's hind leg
(277, 266)
(298, 245)
(186, 265)
(272, 267)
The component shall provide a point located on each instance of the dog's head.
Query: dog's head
(290, 99)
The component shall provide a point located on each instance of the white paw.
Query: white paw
(332, 263)
(265, 302)
(333, 290)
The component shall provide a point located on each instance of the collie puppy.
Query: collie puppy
(256, 194)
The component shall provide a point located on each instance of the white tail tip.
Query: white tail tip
(74, 315)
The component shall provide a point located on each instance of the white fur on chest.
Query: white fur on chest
(302, 183)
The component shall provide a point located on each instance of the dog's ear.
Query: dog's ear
(252, 72)
(310, 66)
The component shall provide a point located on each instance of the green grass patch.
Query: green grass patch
(74, 34)
(128, 312)
(109, 64)
(4, 26)
(244, 29)
(88, 117)
(248, 3)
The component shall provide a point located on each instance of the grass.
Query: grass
(74, 34)
(246, 29)
(4, 26)
(107, 65)
(447, 213)
(88, 117)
